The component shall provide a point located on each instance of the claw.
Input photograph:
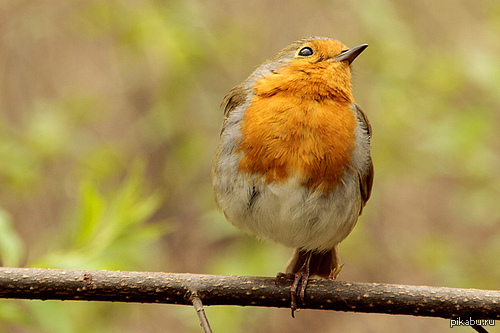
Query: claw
(302, 277)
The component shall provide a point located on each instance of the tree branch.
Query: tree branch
(148, 287)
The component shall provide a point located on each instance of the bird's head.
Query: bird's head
(315, 68)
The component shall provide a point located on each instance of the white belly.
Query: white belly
(290, 214)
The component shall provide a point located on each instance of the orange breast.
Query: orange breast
(284, 135)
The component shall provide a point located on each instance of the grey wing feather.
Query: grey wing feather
(366, 179)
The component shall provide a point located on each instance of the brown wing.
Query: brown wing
(234, 98)
(366, 183)
(366, 179)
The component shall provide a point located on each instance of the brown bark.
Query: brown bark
(149, 287)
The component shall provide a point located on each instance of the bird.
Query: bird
(293, 164)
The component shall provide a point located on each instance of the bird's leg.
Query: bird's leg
(302, 276)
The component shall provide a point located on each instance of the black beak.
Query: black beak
(350, 54)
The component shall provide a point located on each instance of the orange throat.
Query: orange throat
(284, 135)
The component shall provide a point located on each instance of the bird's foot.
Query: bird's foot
(300, 280)
(335, 272)
(301, 277)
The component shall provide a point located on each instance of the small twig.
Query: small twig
(198, 305)
(479, 328)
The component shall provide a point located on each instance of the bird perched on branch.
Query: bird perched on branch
(293, 165)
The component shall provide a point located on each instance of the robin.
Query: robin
(293, 165)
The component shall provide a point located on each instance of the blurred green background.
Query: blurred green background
(109, 117)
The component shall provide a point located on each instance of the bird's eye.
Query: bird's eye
(306, 52)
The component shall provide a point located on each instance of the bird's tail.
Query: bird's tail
(324, 265)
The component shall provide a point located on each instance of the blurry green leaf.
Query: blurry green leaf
(103, 162)
(11, 246)
(91, 214)
(19, 166)
(48, 130)
(112, 229)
